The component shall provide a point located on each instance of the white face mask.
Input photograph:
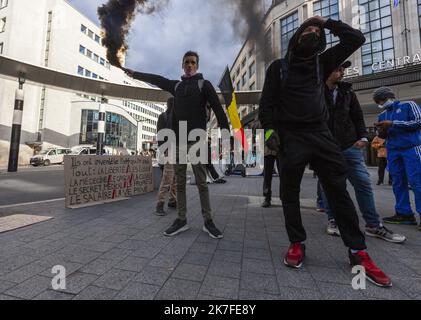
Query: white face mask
(386, 104)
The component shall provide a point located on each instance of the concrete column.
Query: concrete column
(101, 129)
(16, 128)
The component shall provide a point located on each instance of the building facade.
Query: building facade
(393, 46)
(53, 34)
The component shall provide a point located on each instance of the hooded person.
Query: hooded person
(294, 114)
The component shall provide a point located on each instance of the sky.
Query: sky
(158, 42)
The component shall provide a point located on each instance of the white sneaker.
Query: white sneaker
(332, 229)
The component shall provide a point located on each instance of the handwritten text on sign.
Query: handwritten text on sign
(99, 179)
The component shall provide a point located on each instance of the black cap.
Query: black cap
(346, 64)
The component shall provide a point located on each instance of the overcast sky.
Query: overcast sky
(158, 42)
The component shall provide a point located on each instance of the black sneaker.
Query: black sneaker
(177, 227)
(385, 234)
(401, 219)
(267, 203)
(160, 209)
(172, 205)
(419, 227)
(213, 231)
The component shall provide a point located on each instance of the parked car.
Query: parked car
(83, 150)
(50, 156)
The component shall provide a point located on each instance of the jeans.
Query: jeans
(359, 177)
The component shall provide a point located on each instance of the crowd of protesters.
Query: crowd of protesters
(310, 117)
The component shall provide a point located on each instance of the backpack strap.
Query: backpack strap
(200, 83)
(284, 72)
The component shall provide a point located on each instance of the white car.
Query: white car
(49, 156)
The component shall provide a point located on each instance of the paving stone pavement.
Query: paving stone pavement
(117, 251)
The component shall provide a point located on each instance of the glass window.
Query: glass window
(52, 153)
(80, 70)
(3, 24)
(1, 47)
(97, 38)
(90, 34)
(82, 49)
(252, 69)
(378, 31)
(88, 73)
(289, 26)
(327, 9)
(83, 28)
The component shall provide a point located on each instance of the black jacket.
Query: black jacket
(190, 102)
(346, 118)
(300, 104)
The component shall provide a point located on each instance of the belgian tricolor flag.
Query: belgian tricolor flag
(227, 90)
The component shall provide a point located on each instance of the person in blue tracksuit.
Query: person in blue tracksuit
(400, 125)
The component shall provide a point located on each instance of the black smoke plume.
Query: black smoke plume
(116, 17)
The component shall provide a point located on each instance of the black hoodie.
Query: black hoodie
(190, 102)
(301, 104)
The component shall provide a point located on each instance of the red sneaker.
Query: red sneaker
(372, 272)
(295, 255)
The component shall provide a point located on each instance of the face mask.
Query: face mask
(308, 44)
(386, 104)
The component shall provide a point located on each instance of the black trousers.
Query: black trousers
(320, 150)
(268, 174)
(212, 171)
(382, 169)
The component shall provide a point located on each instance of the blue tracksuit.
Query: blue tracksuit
(404, 153)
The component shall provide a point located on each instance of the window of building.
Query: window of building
(89, 53)
(90, 34)
(97, 38)
(82, 49)
(289, 26)
(379, 33)
(3, 4)
(3, 24)
(252, 69)
(96, 58)
(253, 86)
(268, 47)
(1, 47)
(419, 15)
(88, 73)
(328, 9)
(80, 70)
(238, 86)
(243, 63)
(244, 79)
(83, 28)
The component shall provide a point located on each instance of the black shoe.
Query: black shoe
(419, 227)
(160, 209)
(267, 203)
(220, 181)
(177, 227)
(213, 231)
(401, 219)
(172, 205)
(379, 183)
